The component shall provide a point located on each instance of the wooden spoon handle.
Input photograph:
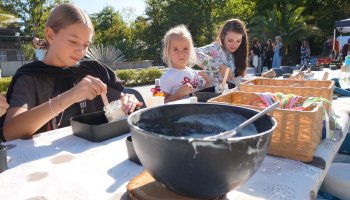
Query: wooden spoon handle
(104, 99)
(325, 76)
(225, 77)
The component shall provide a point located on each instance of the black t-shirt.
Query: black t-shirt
(256, 50)
(36, 83)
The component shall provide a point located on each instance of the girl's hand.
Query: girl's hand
(129, 103)
(3, 105)
(203, 75)
(186, 89)
(180, 93)
(88, 88)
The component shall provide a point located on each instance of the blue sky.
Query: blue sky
(94, 6)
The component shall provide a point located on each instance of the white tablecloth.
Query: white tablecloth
(58, 165)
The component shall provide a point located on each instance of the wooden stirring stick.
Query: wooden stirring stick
(325, 76)
(225, 78)
(104, 99)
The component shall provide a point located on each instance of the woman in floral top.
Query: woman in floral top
(229, 50)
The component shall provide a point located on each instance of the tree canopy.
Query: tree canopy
(32, 13)
(142, 38)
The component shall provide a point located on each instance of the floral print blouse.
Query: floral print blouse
(211, 57)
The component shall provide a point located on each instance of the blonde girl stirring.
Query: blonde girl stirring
(178, 53)
(44, 95)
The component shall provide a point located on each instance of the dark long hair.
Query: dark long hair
(241, 54)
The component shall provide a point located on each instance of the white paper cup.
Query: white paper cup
(154, 101)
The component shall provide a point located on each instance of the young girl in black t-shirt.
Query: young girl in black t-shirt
(43, 95)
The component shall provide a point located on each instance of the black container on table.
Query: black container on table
(201, 168)
(287, 75)
(316, 68)
(333, 67)
(287, 69)
(131, 151)
(205, 94)
(95, 127)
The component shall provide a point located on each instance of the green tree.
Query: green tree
(7, 19)
(325, 13)
(32, 13)
(139, 37)
(110, 29)
(241, 9)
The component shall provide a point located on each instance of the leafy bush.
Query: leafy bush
(133, 77)
(4, 84)
(147, 76)
(28, 50)
(129, 76)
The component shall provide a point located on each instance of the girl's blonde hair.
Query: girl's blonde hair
(67, 14)
(178, 31)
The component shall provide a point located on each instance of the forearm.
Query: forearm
(174, 97)
(207, 84)
(22, 123)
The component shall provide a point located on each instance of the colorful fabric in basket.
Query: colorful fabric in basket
(289, 101)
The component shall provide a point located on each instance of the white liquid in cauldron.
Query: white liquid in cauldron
(198, 126)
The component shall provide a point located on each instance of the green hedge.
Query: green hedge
(4, 84)
(131, 77)
(134, 77)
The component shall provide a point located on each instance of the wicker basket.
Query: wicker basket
(305, 88)
(298, 133)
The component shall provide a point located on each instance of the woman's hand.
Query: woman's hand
(223, 70)
(3, 105)
(88, 88)
(205, 76)
(129, 103)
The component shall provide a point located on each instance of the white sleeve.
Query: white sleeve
(166, 83)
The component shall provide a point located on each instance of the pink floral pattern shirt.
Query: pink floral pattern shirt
(211, 57)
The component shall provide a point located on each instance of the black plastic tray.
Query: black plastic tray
(316, 68)
(205, 94)
(95, 127)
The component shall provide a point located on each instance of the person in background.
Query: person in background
(328, 48)
(255, 54)
(40, 48)
(346, 50)
(44, 95)
(229, 50)
(339, 90)
(180, 80)
(268, 48)
(276, 62)
(305, 53)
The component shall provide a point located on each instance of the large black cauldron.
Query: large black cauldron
(197, 167)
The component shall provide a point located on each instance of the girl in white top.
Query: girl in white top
(178, 53)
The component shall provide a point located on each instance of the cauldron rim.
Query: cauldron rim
(274, 122)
